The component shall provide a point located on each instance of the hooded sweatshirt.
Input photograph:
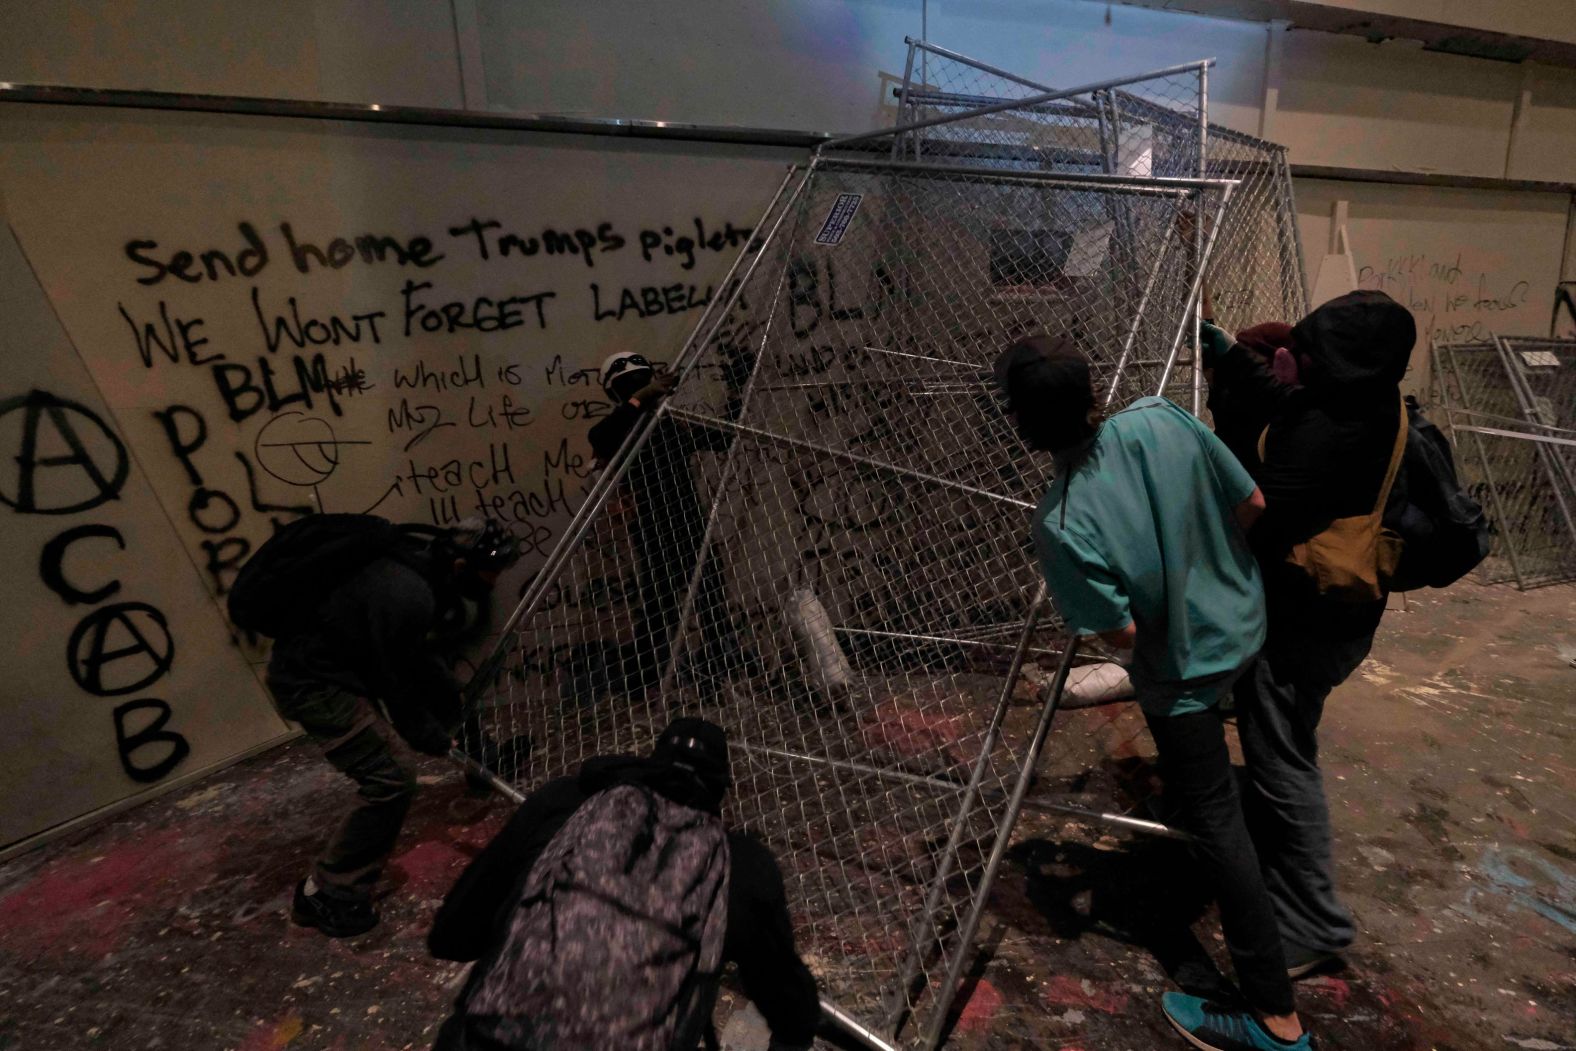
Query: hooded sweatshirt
(375, 637)
(1330, 438)
(759, 936)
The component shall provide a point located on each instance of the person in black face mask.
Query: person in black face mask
(667, 526)
(367, 664)
(1141, 539)
(601, 914)
(1324, 447)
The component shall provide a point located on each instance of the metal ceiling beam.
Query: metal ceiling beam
(415, 116)
(1355, 18)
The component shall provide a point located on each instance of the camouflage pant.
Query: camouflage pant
(359, 742)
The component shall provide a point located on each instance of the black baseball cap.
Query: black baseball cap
(1049, 389)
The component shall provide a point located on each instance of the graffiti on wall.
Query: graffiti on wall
(436, 400)
(70, 463)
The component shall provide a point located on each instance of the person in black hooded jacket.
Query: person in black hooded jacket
(668, 524)
(1329, 441)
(372, 664)
(689, 766)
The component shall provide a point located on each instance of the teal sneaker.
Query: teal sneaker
(1215, 1028)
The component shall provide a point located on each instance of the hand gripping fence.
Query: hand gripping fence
(819, 541)
(1510, 407)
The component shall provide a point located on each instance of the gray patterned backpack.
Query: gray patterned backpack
(615, 943)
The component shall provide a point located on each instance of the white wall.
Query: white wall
(812, 64)
(119, 674)
(1348, 103)
(389, 51)
(808, 64)
(1465, 262)
(1541, 19)
(1545, 144)
(408, 441)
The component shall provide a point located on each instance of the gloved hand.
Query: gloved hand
(422, 731)
(1215, 341)
(651, 395)
(432, 741)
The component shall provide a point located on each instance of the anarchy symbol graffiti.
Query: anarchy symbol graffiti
(67, 459)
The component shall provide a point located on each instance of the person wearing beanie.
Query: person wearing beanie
(1328, 432)
(1141, 537)
(516, 994)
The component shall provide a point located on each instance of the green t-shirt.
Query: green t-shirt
(1141, 530)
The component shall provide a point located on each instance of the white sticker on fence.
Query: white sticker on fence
(1533, 358)
(838, 218)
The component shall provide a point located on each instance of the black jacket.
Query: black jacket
(759, 935)
(373, 638)
(1330, 438)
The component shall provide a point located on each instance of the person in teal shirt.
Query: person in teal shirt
(1141, 537)
(1140, 529)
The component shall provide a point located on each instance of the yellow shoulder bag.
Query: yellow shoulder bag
(1353, 559)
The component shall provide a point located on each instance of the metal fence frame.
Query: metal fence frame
(996, 799)
(1260, 241)
(1517, 449)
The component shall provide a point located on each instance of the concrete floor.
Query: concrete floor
(1451, 759)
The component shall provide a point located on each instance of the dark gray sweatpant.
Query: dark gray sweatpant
(1279, 704)
(360, 744)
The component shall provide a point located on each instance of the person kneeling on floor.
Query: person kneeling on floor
(1141, 537)
(601, 916)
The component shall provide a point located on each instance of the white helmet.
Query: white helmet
(621, 364)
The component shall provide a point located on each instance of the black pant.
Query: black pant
(1312, 648)
(669, 546)
(1200, 783)
(360, 744)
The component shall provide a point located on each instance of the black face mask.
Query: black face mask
(631, 383)
(1053, 431)
(472, 586)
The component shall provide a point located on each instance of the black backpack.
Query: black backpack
(615, 939)
(1444, 531)
(281, 587)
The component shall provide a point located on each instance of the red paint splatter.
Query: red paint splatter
(983, 1004)
(430, 867)
(913, 734)
(1335, 988)
(84, 905)
(1065, 991)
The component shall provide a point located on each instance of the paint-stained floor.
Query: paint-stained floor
(1451, 760)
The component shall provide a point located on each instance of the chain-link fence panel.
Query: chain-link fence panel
(1145, 128)
(1256, 271)
(820, 541)
(1543, 374)
(1150, 126)
(954, 109)
(1514, 461)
